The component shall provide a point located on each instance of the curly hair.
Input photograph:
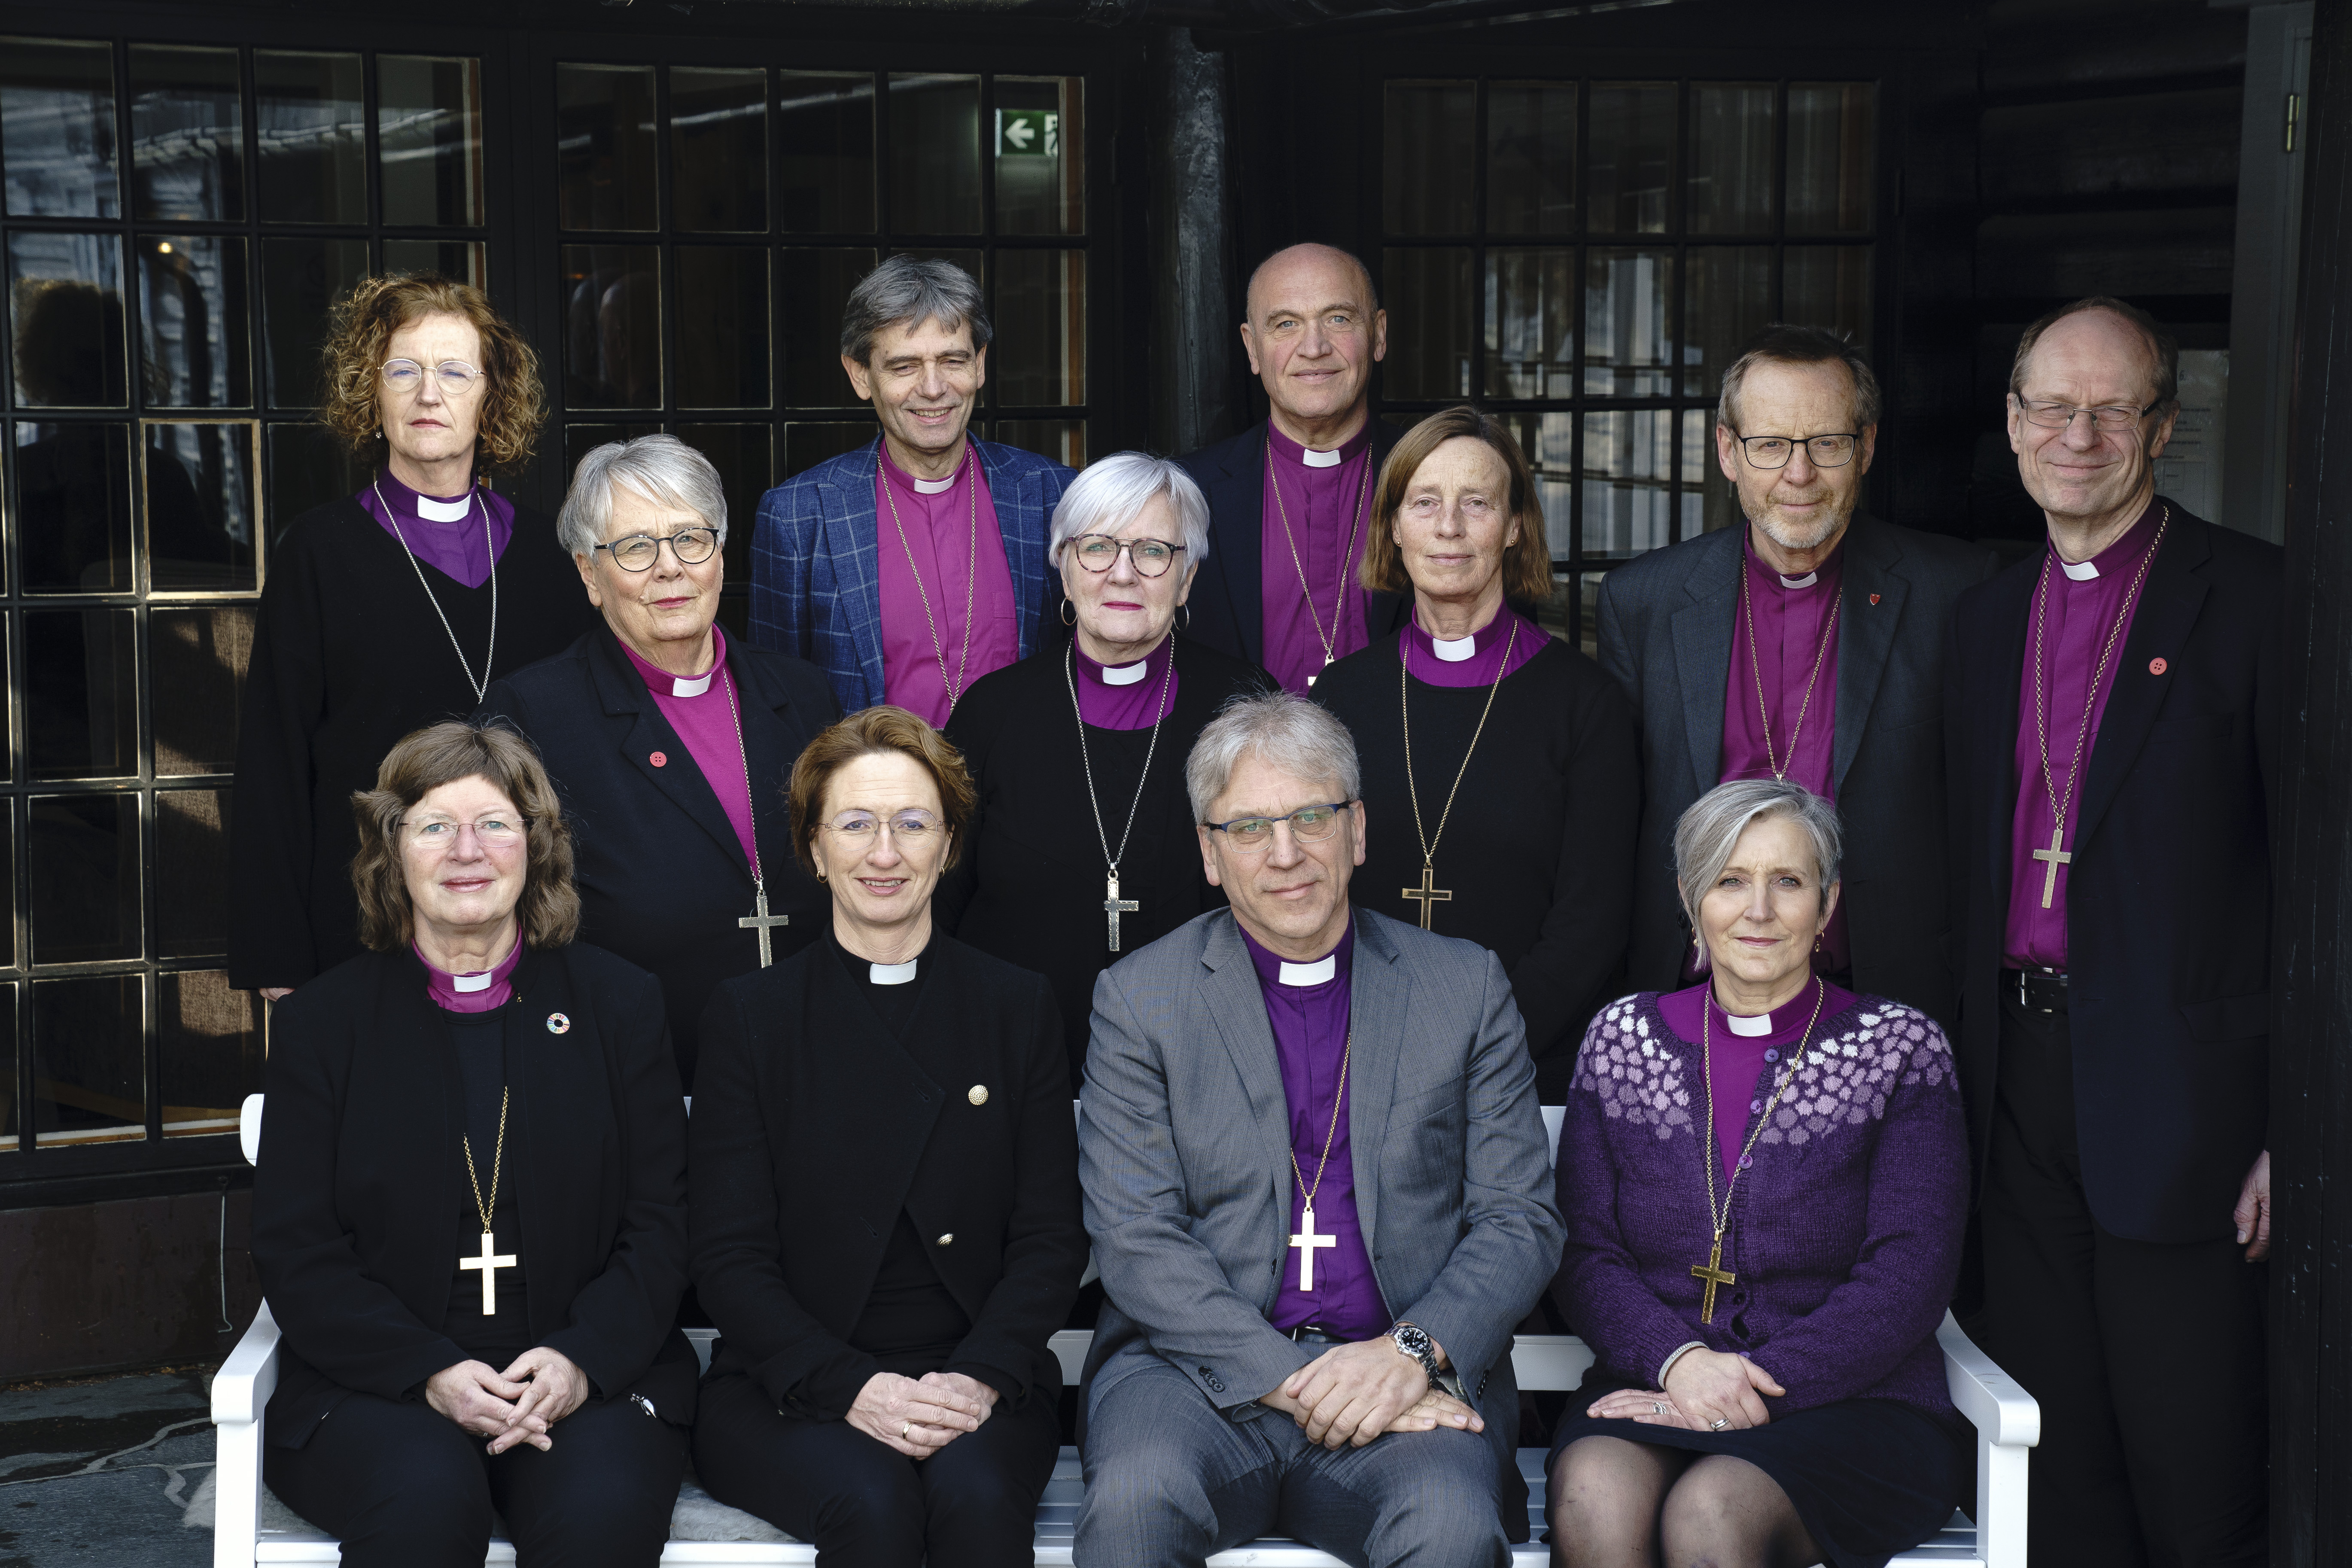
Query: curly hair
(421, 762)
(881, 730)
(359, 337)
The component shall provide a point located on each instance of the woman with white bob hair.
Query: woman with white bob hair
(1082, 848)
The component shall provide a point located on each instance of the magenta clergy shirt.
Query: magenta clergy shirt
(1128, 696)
(1472, 660)
(444, 532)
(939, 535)
(697, 709)
(1325, 503)
(2079, 606)
(1310, 1035)
(482, 991)
(1742, 1068)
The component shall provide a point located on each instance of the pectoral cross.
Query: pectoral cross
(1114, 906)
(1309, 1244)
(1319, 674)
(760, 919)
(490, 1263)
(2055, 858)
(1429, 895)
(1715, 1274)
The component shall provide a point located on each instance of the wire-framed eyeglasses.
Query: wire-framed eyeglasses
(455, 377)
(1771, 452)
(1310, 824)
(439, 832)
(1099, 552)
(638, 551)
(910, 828)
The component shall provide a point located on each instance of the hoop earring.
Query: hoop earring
(1070, 613)
(1186, 623)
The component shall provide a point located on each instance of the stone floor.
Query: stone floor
(97, 1470)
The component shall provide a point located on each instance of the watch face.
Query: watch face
(1411, 1341)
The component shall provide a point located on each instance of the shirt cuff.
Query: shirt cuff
(1667, 1365)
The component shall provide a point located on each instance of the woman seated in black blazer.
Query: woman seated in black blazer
(470, 1214)
(884, 1182)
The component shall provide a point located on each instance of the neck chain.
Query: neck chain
(1428, 893)
(957, 686)
(1756, 668)
(1718, 1220)
(498, 1160)
(1113, 904)
(480, 687)
(1355, 525)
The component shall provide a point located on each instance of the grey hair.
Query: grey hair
(1282, 730)
(1710, 831)
(912, 289)
(660, 467)
(1106, 495)
(1780, 343)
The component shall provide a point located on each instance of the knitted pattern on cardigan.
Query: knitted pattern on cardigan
(1845, 1233)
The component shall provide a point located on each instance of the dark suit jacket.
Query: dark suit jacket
(1228, 598)
(661, 874)
(2168, 897)
(358, 1202)
(1667, 620)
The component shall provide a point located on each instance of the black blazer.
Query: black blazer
(815, 1128)
(661, 874)
(1667, 623)
(1228, 598)
(362, 1187)
(2168, 897)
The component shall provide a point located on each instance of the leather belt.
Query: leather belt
(2038, 990)
(1308, 1335)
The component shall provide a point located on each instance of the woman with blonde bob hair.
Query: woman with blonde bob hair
(388, 608)
(1502, 775)
(469, 1217)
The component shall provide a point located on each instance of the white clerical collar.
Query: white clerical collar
(433, 511)
(892, 973)
(1315, 973)
(1807, 581)
(2079, 571)
(466, 985)
(1314, 459)
(1126, 674)
(932, 486)
(1749, 1028)
(1456, 651)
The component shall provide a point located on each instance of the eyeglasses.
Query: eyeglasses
(441, 833)
(910, 828)
(1771, 452)
(638, 551)
(2060, 415)
(455, 377)
(1311, 824)
(1099, 552)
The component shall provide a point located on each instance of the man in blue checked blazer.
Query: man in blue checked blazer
(911, 567)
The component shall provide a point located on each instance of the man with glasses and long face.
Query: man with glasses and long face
(2116, 724)
(1316, 1181)
(1806, 646)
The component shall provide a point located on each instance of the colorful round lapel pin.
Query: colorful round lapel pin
(2157, 666)
(557, 1024)
(659, 759)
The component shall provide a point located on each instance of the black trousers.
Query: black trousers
(863, 1504)
(2147, 1359)
(404, 1487)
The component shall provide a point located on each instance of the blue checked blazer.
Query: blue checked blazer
(816, 582)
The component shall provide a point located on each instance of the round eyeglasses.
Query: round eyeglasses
(1310, 823)
(638, 551)
(1099, 552)
(2113, 416)
(455, 377)
(1771, 452)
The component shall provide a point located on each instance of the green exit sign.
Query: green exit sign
(1028, 133)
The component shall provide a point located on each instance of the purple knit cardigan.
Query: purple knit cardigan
(1845, 1233)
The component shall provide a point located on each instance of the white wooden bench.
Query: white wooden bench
(2007, 1420)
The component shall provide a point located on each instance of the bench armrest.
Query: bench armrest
(246, 1381)
(1988, 1396)
(241, 1392)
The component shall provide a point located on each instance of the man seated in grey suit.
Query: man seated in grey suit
(1316, 1182)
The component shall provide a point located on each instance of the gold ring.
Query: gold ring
(905, 1427)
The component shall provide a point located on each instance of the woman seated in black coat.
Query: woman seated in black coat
(884, 1182)
(470, 1214)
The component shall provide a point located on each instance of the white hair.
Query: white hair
(660, 467)
(1107, 496)
(1710, 831)
(1281, 729)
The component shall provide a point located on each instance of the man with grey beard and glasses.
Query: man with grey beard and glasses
(1808, 647)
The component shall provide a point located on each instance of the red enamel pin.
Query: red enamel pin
(659, 759)
(2157, 666)
(1873, 598)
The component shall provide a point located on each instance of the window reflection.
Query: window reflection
(1633, 151)
(579, 440)
(1530, 322)
(200, 519)
(309, 466)
(1728, 187)
(57, 101)
(67, 319)
(809, 442)
(718, 149)
(81, 699)
(1548, 441)
(816, 285)
(300, 281)
(193, 321)
(429, 140)
(1428, 302)
(89, 1069)
(1729, 293)
(604, 146)
(825, 125)
(73, 508)
(312, 138)
(1828, 286)
(85, 876)
(1832, 135)
(722, 326)
(1531, 157)
(195, 659)
(1063, 440)
(467, 260)
(1629, 325)
(1040, 145)
(611, 326)
(1431, 131)
(1627, 469)
(1709, 501)
(191, 873)
(935, 155)
(740, 453)
(1039, 357)
(9, 1128)
(187, 133)
(208, 1050)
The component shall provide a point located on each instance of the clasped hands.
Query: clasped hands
(517, 1405)
(1353, 1394)
(1703, 1387)
(919, 1416)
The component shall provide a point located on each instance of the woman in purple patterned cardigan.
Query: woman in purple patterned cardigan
(1765, 1179)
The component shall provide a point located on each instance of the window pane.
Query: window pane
(1628, 323)
(611, 326)
(1549, 442)
(1827, 286)
(187, 133)
(57, 103)
(718, 149)
(195, 659)
(1431, 145)
(1063, 440)
(1531, 323)
(89, 1070)
(73, 508)
(1833, 162)
(300, 281)
(604, 139)
(9, 1122)
(428, 119)
(466, 260)
(193, 321)
(313, 138)
(1531, 157)
(201, 507)
(1039, 353)
(935, 155)
(309, 466)
(807, 444)
(1728, 187)
(1697, 462)
(816, 287)
(1041, 144)
(722, 326)
(1628, 463)
(1428, 302)
(84, 876)
(8, 922)
(579, 440)
(66, 304)
(208, 1048)
(826, 126)
(1730, 301)
(740, 454)
(81, 699)
(191, 872)
(1633, 149)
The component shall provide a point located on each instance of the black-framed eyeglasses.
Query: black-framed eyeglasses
(455, 377)
(1099, 552)
(1771, 452)
(638, 551)
(2109, 416)
(1308, 822)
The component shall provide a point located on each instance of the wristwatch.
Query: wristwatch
(1413, 1341)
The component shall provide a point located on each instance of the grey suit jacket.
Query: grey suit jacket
(1183, 1152)
(1667, 623)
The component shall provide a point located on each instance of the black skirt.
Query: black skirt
(1869, 1478)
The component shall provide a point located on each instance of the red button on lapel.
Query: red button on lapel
(1873, 598)
(2157, 666)
(659, 759)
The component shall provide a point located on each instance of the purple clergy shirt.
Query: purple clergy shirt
(1472, 660)
(1128, 696)
(1323, 507)
(1310, 1037)
(457, 548)
(482, 991)
(697, 709)
(1742, 1068)
(2079, 606)
(941, 535)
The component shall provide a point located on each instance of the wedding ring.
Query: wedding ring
(1656, 1408)
(905, 1427)
(1718, 1423)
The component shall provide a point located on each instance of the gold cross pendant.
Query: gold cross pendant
(1431, 896)
(1715, 1274)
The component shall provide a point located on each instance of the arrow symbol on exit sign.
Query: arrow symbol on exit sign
(1020, 133)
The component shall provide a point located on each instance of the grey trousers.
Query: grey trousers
(1171, 1479)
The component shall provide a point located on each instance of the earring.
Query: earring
(1817, 942)
(1186, 623)
(1069, 614)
